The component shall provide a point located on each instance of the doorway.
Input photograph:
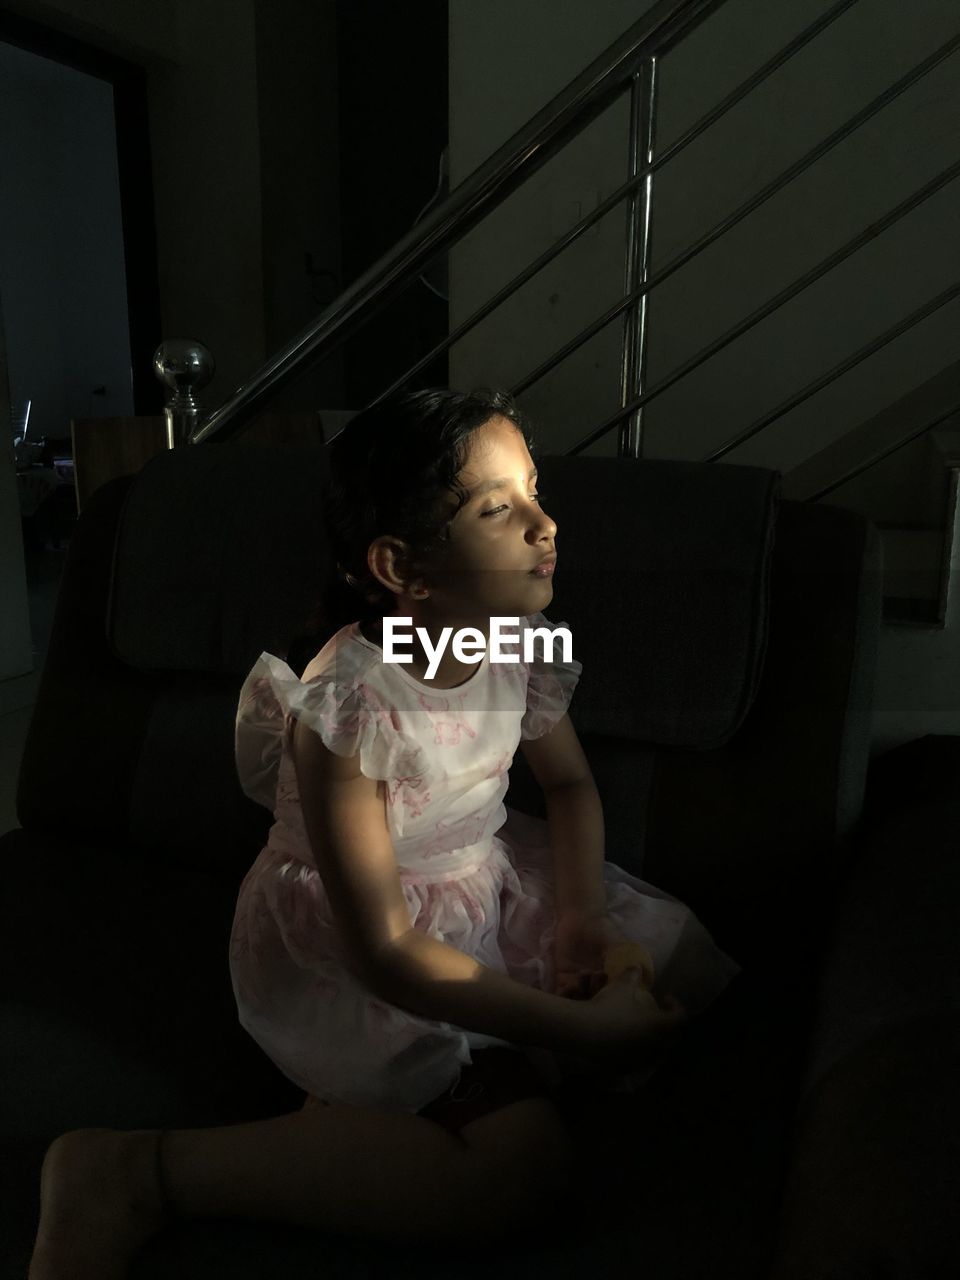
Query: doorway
(80, 317)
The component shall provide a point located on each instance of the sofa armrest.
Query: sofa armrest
(875, 1170)
(922, 772)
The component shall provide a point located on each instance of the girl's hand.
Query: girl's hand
(624, 1026)
(582, 940)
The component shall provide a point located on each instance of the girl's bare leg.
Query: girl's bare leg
(384, 1174)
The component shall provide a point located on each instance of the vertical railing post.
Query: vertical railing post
(643, 120)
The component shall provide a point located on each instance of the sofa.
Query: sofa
(729, 641)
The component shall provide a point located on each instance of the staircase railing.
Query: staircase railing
(629, 65)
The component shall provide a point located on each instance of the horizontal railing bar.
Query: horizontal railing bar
(522, 155)
(621, 193)
(778, 300)
(914, 318)
(837, 371)
(885, 453)
(726, 224)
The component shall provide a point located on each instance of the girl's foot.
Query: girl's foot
(100, 1200)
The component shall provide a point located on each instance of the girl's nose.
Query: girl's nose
(546, 526)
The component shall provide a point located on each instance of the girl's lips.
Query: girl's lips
(544, 570)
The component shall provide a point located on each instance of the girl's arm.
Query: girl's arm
(435, 980)
(574, 817)
(344, 813)
(345, 818)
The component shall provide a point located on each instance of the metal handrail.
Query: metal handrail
(785, 406)
(861, 354)
(754, 202)
(565, 116)
(630, 62)
(885, 453)
(628, 188)
(785, 295)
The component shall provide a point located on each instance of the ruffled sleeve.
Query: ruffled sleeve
(550, 685)
(349, 716)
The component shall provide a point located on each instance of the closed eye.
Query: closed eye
(494, 511)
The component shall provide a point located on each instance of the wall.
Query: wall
(299, 131)
(16, 656)
(205, 142)
(61, 254)
(507, 59)
(918, 676)
(62, 284)
(243, 142)
(143, 33)
(394, 116)
(241, 102)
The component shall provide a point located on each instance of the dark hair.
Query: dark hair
(392, 470)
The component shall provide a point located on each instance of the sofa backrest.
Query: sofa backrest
(728, 642)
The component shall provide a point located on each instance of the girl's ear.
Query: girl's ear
(389, 561)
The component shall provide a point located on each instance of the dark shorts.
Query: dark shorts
(497, 1076)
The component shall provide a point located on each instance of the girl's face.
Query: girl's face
(498, 538)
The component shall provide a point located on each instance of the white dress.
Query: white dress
(474, 873)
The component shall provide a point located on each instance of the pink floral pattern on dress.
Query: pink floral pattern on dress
(448, 721)
(287, 791)
(412, 793)
(472, 908)
(249, 940)
(456, 833)
(443, 762)
(261, 692)
(501, 765)
(345, 721)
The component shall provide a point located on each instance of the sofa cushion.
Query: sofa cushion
(117, 1006)
(663, 576)
(120, 758)
(220, 554)
(117, 1010)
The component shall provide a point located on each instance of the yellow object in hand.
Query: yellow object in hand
(628, 955)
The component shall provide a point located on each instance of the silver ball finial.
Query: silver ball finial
(184, 366)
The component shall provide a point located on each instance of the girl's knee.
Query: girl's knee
(525, 1148)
